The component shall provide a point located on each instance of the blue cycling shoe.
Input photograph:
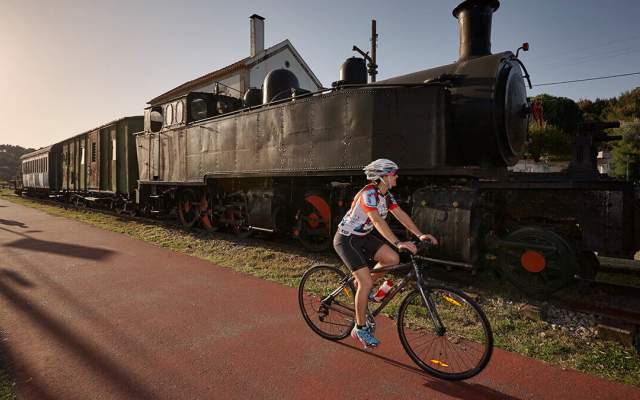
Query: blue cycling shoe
(365, 337)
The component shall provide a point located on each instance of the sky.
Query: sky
(67, 66)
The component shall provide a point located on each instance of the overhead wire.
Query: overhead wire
(587, 79)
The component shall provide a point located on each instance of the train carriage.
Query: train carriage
(102, 160)
(41, 171)
(99, 165)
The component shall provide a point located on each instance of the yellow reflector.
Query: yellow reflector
(440, 363)
(346, 291)
(452, 301)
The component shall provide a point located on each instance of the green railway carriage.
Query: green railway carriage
(102, 161)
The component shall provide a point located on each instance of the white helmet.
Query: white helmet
(379, 168)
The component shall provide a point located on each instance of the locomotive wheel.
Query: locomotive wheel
(207, 219)
(237, 220)
(188, 208)
(314, 223)
(537, 261)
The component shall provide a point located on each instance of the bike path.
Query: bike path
(91, 314)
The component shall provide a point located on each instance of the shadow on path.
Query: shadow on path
(10, 222)
(73, 250)
(97, 360)
(16, 277)
(45, 246)
(466, 390)
(458, 389)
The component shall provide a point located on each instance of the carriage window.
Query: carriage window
(180, 112)
(168, 115)
(93, 151)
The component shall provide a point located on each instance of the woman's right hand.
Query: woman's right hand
(408, 246)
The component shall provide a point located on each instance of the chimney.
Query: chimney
(257, 34)
(474, 19)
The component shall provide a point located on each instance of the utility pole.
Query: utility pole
(373, 67)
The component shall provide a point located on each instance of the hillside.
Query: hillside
(10, 160)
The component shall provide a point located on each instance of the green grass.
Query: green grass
(285, 263)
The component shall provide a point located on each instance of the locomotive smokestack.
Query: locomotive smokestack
(474, 20)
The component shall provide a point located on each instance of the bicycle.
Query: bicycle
(442, 329)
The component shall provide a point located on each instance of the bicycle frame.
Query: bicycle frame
(413, 275)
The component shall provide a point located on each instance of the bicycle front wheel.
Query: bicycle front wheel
(457, 349)
(327, 301)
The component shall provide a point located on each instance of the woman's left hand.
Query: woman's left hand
(430, 238)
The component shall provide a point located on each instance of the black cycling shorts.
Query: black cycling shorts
(357, 251)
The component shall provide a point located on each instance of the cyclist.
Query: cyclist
(355, 245)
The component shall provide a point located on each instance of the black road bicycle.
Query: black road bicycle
(444, 331)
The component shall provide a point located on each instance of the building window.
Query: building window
(113, 149)
(81, 155)
(94, 151)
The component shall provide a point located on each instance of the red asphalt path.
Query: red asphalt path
(91, 314)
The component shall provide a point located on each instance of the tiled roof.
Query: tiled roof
(199, 82)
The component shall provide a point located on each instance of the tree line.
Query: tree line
(552, 139)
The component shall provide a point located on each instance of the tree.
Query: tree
(554, 139)
(561, 112)
(548, 141)
(626, 152)
(10, 160)
(596, 110)
(626, 107)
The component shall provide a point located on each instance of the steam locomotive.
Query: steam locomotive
(284, 160)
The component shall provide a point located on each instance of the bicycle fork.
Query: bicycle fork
(433, 313)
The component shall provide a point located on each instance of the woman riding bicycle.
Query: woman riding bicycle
(356, 246)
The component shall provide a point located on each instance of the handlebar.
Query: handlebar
(420, 245)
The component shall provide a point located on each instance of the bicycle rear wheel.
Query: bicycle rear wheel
(327, 302)
(458, 351)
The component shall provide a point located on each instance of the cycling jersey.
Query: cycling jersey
(356, 221)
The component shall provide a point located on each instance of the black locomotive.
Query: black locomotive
(287, 161)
